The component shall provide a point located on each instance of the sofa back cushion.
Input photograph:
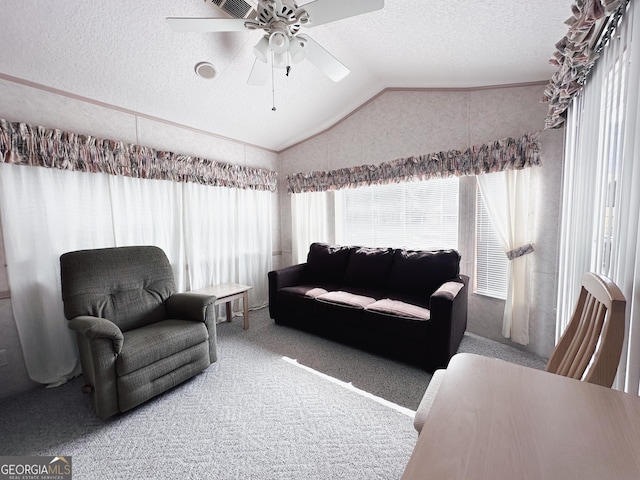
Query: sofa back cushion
(418, 272)
(369, 268)
(326, 264)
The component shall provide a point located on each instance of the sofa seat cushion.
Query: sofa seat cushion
(401, 309)
(310, 291)
(146, 345)
(417, 300)
(346, 298)
(363, 292)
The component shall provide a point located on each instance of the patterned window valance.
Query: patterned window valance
(24, 144)
(500, 155)
(590, 27)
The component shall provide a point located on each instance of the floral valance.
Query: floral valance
(591, 25)
(500, 155)
(24, 144)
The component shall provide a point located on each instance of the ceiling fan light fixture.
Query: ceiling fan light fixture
(279, 42)
(280, 60)
(281, 20)
(261, 49)
(296, 50)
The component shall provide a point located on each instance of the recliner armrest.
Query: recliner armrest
(96, 327)
(196, 307)
(191, 306)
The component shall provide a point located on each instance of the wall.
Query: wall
(400, 123)
(395, 124)
(36, 106)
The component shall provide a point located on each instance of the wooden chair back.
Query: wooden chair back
(590, 347)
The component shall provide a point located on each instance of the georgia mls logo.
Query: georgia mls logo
(60, 466)
(35, 468)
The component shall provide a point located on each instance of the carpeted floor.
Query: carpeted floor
(279, 404)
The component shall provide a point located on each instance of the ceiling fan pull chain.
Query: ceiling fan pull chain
(273, 83)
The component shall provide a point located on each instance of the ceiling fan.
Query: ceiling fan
(282, 44)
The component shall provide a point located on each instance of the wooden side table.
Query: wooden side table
(227, 292)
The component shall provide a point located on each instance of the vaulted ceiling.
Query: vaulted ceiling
(124, 54)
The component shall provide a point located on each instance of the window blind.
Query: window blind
(491, 262)
(413, 215)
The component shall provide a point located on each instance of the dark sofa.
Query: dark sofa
(409, 305)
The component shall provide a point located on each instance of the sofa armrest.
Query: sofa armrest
(284, 277)
(196, 307)
(288, 276)
(448, 307)
(95, 327)
(448, 291)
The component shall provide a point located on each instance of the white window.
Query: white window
(491, 262)
(413, 215)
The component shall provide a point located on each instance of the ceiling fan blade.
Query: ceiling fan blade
(323, 60)
(204, 25)
(325, 11)
(259, 73)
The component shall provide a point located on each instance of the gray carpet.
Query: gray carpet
(252, 415)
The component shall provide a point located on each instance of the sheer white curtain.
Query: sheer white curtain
(211, 235)
(45, 213)
(601, 197)
(254, 242)
(310, 222)
(150, 212)
(228, 238)
(509, 199)
(215, 234)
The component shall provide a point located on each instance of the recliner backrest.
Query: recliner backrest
(126, 285)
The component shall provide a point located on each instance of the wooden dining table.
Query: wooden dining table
(495, 420)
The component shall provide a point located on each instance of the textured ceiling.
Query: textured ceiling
(124, 54)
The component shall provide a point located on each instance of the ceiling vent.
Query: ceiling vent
(238, 8)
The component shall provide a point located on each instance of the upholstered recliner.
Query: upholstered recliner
(137, 337)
